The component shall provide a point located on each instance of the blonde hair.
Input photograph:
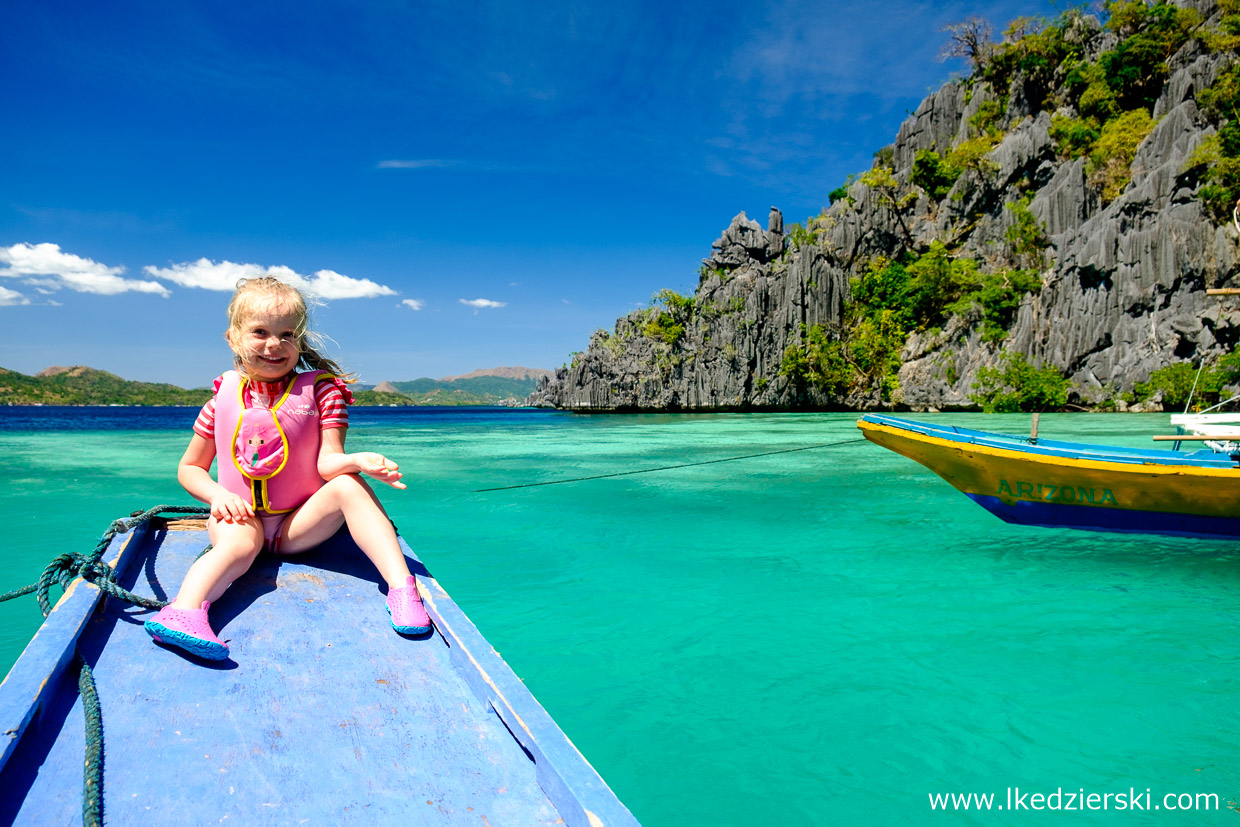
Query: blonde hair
(271, 293)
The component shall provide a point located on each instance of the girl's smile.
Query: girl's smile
(267, 344)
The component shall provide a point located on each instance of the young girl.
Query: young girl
(285, 481)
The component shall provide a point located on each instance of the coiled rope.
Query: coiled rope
(671, 467)
(63, 570)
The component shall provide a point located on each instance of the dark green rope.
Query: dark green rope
(92, 774)
(90, 567)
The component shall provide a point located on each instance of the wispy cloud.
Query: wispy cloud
(47, 268)
(483, 303)
(224, 275)
(428, 163)
(9, 298)
(416, 304)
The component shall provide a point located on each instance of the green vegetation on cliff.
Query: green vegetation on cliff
(1112, 96)
(894, 299)
(1039, 234)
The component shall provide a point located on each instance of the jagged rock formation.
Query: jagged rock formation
(1123, 274)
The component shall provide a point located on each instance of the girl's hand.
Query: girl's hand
(230, 508)
(379, 467)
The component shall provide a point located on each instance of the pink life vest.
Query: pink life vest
(269, 457)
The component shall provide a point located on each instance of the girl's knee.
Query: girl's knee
(348, 485)
(237, 548)
(237, 540)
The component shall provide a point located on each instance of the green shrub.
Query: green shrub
(997, 296)
(884, 286)
(666, 321)
(1111, 158)
(933, 174)
(1019, 386)
(874, 346)
(985, 121)
(1152, 33)
(817, 361)
(1176, 382)
(840, 193)
(1074, 137)
(936, 281)
(1025, 236)
(1226, 37)
(801, 237)
(971, 154)
(1219, 155)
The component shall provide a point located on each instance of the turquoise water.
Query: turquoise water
(820, 636)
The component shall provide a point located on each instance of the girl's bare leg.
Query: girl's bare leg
(233, 549)
(348, 499)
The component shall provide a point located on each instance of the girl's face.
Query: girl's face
(266, 342)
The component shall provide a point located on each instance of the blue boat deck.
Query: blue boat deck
(323, 715)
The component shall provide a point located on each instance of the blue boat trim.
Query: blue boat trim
(1056, 448)
(1111, 520)
(380, 740)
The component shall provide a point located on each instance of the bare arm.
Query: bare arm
(194, 474)
(333, 461)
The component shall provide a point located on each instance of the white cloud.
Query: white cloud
(332, 285)
(9, 298)
(47, 268)
(483, 303)
(416, 304)
(224, 275)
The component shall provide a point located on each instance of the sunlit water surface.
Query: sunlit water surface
(820, 636)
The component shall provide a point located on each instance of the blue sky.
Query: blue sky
(467, 184)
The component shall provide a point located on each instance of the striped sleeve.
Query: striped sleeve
(333, 412)
(204, 425)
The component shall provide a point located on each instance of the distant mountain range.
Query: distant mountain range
(86, 386)
(80, 385)
(492, 386)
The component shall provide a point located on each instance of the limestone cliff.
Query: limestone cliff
(990, 170)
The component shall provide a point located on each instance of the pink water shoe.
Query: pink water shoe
(405, 606)
(187, 629)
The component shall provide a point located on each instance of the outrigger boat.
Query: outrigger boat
(324, 715)
(1040, 482)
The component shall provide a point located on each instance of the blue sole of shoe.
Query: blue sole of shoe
(206, 649)
(407, 630)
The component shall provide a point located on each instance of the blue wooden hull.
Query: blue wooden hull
(323, 714)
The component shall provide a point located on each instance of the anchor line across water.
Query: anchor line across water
(671, 467)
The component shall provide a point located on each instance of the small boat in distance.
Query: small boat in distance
(1049, 483)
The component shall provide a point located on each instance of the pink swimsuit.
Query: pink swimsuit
(269, 457)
